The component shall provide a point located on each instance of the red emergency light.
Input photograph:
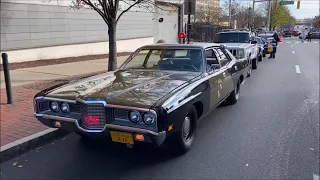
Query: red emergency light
(91, 120)
(182, 35)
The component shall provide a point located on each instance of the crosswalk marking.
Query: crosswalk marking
(297, 42)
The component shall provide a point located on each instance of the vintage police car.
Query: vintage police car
(241, 38)
(158, 94)
(269, 44)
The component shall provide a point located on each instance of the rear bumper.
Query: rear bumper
(72, 125)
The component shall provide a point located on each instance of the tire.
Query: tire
(234, 96)
(250, 70)
(260, 58)
(182, 141)
(255, 64)
(84, 138)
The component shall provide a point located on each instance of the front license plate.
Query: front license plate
(121, 137)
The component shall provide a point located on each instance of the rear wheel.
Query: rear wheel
(250, 70)
(234, 96)
(182, 141)
(255, 63)
(260, 57)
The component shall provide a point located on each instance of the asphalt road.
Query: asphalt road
(271, 133)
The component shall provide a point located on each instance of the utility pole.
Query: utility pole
(269, 14)
(230, 11)
(253, 14)
(189, 23)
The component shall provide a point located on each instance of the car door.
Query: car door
(228, 67)
(214, 77)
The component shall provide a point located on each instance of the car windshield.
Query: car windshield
(167, 59)
(266, 35)
(235, 37)
(259, 40)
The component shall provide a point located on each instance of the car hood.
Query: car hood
(141, 88)
(237, 45)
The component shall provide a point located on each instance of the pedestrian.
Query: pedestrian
(276, 39)
(309, 35)
(303, 35)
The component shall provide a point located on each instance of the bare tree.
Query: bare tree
(109, 11)
(208, 14)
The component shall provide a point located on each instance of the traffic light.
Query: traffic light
(298, 4)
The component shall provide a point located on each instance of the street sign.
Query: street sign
(286, 2)
(186, 7)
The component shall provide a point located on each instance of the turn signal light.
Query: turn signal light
(57, 124)
(170, 127)
(139, 137)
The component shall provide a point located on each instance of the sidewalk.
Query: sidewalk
(18, 123)
(43, 73)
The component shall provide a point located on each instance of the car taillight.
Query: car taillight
(91, 120)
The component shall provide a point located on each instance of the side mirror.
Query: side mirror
(222, 47)
(254, 42)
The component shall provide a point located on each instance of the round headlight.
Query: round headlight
(149, 118)
(134, 116)
(54, 106)
(65, 107)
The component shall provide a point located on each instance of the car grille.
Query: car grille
(98, 114)
(234, 52)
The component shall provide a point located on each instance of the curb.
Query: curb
(20, 146)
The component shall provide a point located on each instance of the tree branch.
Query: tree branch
(124, 11)
(103, 15)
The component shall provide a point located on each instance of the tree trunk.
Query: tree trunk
(112, 64)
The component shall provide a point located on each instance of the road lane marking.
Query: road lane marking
(293, 52)
(315, 177)
(298, 69)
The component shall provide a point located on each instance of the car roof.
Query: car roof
(235, 31)
(190, 45)
(265, 34)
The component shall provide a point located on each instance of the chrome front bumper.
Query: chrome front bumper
(71, 124)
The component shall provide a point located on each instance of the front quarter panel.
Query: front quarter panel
(175, 108)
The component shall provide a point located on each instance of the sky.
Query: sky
(308, 8)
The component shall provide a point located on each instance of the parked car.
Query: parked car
(158, 94)
(287, 33)
(242, 55)
(315, 35)
(260, 43)
(240, 38)
(296, 33)
(269, 43)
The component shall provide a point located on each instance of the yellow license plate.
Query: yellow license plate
(270, 48)
(121, 137)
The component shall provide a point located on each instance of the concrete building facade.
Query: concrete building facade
(46, 29)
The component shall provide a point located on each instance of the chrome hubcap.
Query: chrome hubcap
(237, 92)
(186, 127)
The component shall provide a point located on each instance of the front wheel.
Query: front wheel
(182, 141)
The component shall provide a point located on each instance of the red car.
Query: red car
(281, 38)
